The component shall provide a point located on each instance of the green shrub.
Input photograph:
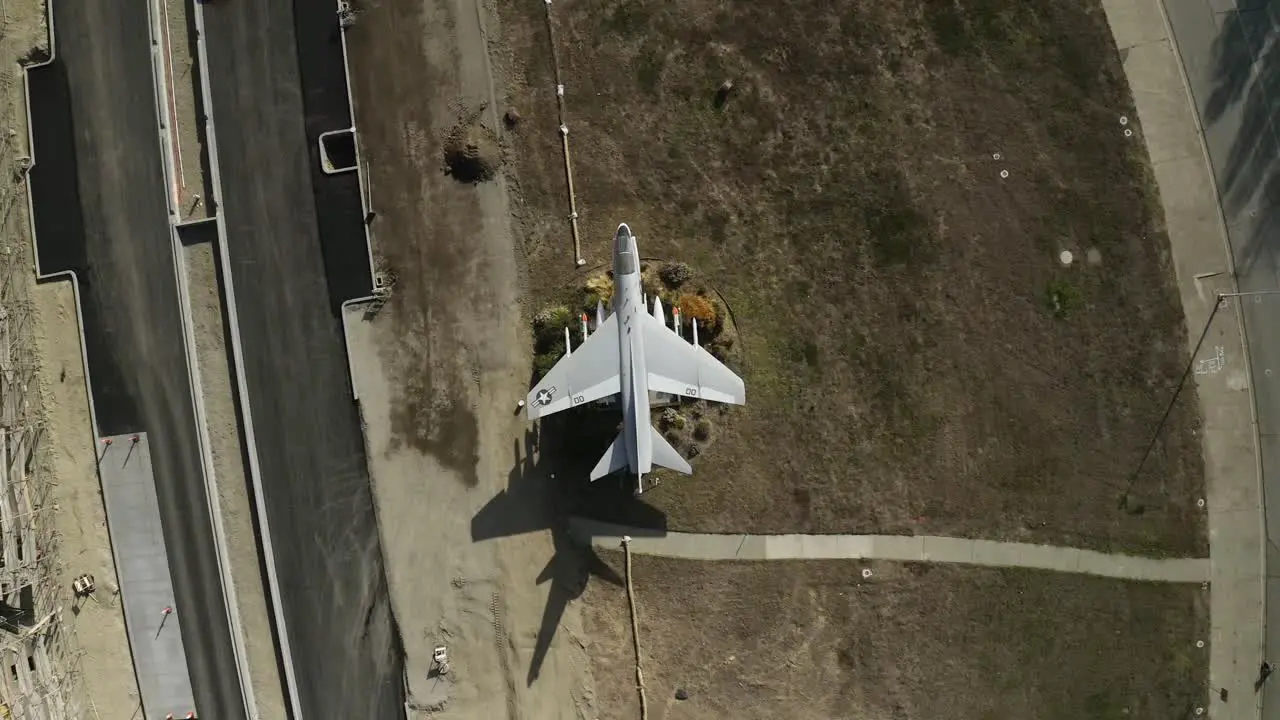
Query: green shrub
(702, 431)
(1061, 297)
(676, 274)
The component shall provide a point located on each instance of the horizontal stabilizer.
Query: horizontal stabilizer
(613, 460)
(665, 455)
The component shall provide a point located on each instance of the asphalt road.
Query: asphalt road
(1234, 69)
(100, 211)
(297, 248)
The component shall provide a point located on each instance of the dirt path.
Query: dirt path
(438, 371)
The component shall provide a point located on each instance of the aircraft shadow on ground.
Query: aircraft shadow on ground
(544, 489)
(1246, 79)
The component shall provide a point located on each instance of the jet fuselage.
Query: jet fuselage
(629, 304)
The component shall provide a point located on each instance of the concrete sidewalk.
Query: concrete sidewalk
(917, 548)
(150, 610)
(1202, 258)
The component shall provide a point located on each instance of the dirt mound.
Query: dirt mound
(472, 154)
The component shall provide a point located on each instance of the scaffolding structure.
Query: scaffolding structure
(39, 667)
(36, 660)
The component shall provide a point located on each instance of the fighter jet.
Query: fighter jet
(631, 354)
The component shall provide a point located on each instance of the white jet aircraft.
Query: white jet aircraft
(632, 353)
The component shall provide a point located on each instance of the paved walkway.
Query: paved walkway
(918, 548)
(1166, 47)
(155, 634)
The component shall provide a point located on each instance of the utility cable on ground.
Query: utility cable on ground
(578, 260)
(635, 630)
(1219, 299)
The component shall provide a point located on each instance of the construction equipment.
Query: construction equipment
(440, 658)
(83, 586)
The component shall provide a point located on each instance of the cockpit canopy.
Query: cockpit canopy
(625, 262)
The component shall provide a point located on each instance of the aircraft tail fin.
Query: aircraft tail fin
(665, 455)
(613, 460)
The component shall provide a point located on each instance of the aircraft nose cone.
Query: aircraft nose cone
(623, 240)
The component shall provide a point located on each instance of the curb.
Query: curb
(366, 205)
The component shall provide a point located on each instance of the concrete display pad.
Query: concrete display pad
(133, 518)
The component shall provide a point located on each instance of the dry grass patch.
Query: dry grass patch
(815, 640)
(917, 359)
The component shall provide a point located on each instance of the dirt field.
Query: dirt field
(917, 358)
(85, 545)
(462, 510)
(750, 640)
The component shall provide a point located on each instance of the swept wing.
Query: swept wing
(589, 373)
(677, 367)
